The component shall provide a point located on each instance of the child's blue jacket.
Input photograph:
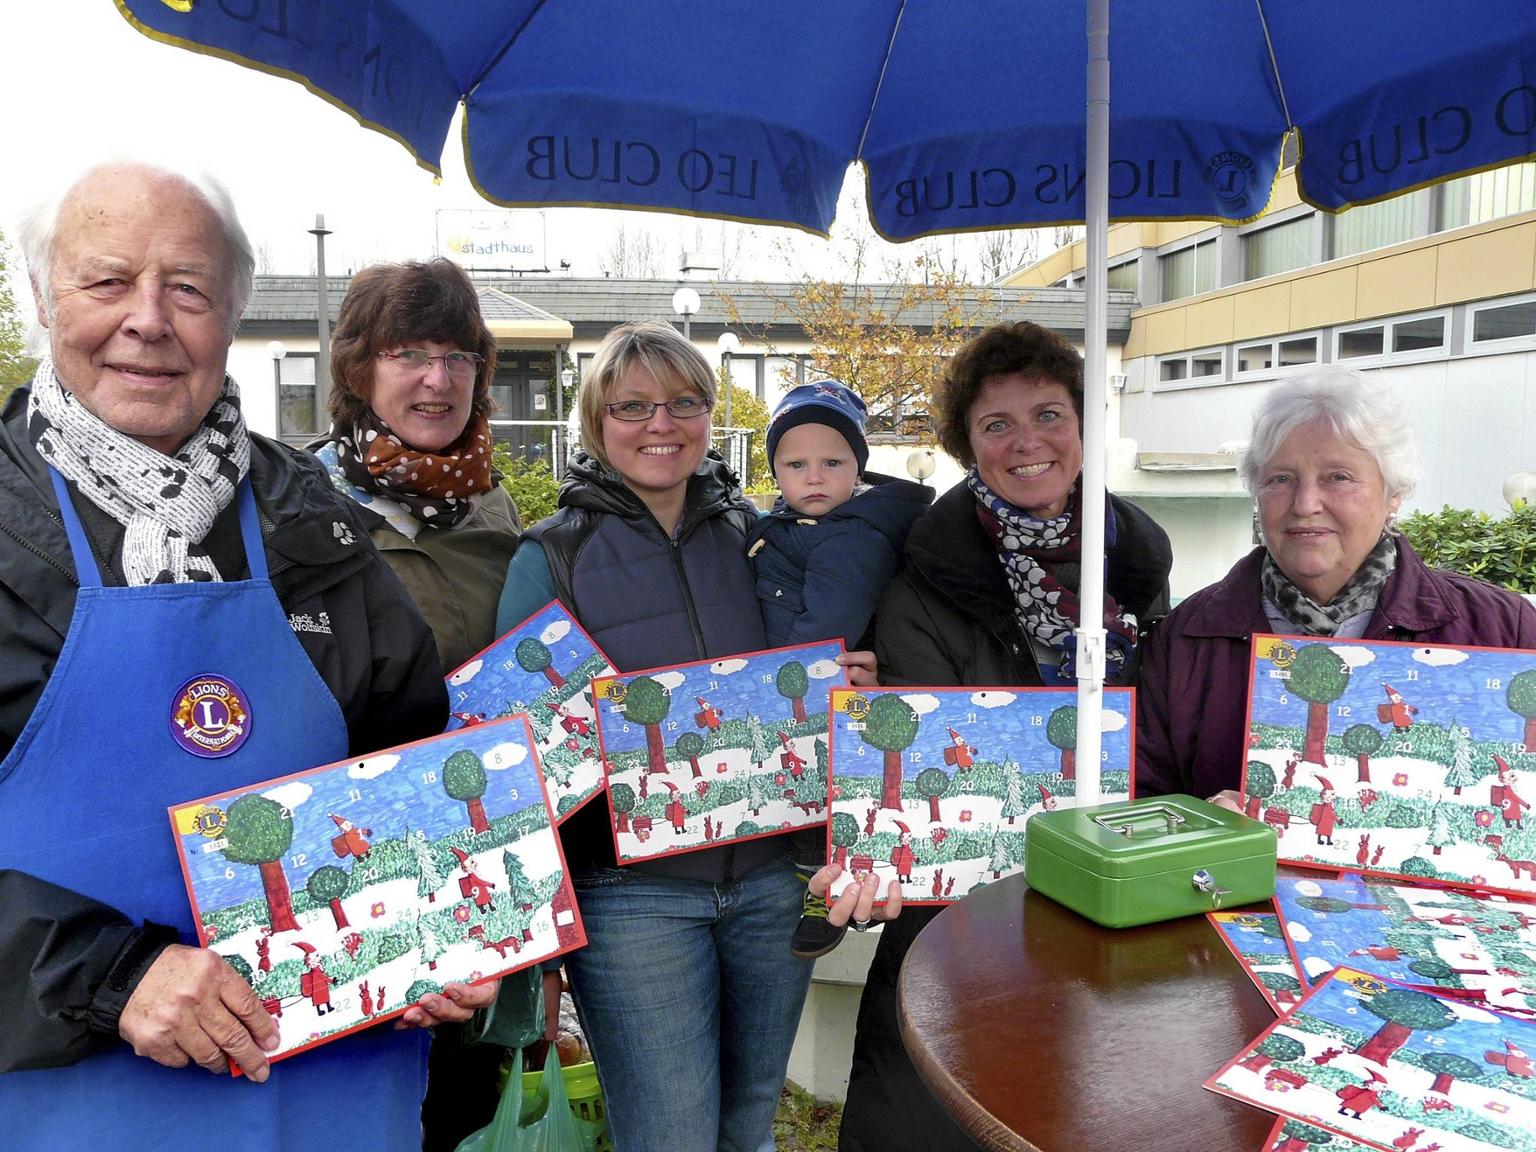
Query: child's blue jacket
(820, 578)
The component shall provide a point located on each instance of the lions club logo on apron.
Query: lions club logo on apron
(210, 716)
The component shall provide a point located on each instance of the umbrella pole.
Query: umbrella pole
(1090, 632)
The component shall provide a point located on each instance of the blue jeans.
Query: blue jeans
(689, 998)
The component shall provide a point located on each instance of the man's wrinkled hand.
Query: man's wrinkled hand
(193, 1008)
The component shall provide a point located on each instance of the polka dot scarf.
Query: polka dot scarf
(1038, 556)
(438, 489)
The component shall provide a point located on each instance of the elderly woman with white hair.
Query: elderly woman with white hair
(1330, 460)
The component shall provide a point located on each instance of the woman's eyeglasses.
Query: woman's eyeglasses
(681, 408)
(461, 366)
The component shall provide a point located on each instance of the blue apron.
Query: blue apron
(83, 798)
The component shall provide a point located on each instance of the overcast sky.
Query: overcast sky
(78, 83)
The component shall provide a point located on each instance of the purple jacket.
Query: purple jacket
(1193, 696)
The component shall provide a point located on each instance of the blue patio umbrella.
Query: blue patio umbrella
(966, 114)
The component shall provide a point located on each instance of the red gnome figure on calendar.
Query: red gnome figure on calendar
(903, 859)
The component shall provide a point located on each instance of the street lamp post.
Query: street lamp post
(727, 343)
(920, 465)
(685, 302)
(322, 303)
(1520, 490)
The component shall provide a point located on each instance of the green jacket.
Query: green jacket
(455, 575)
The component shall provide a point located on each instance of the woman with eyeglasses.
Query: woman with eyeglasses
(686, 990)
(410, 440)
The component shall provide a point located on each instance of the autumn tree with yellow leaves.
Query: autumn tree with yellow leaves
(887, 341)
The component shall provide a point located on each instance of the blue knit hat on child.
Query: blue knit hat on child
(829, 402)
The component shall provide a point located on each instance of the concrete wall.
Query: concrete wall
(823, 1048)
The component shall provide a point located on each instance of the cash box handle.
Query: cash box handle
(1125, 824)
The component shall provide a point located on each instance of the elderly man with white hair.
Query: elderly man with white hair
(149, 543)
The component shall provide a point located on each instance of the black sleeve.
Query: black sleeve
(911, 646)
(68, 965)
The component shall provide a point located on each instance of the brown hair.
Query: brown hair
(1023, 349)
(391, 305)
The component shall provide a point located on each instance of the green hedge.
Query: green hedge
(1490, 548)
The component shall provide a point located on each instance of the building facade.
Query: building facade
(1435, 291)
(546, 326)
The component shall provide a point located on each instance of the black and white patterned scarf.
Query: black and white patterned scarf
(1357, 596)
(166, 504)
(1035, 554)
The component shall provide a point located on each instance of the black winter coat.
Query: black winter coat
(948, 618)
(68, 964)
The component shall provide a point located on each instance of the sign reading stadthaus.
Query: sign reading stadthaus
(490, 239)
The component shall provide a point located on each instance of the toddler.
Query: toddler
(826, 551)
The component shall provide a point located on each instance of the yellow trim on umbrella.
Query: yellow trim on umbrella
(1301, 191)
(270, 70)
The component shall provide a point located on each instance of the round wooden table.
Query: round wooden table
(1039, 1031)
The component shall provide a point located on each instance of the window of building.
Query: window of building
(1208, 366)
(1188, 271)
(1301, 350)
(1356, 343)
(1255, 357)
(1278, 248)
(1122, 277)
(1408, 336)
(747, 374)
(785, 372)
(1423, 335)
(1377, 225)
(1268, 355)
(1504, 322)
(296, 417)
(1485, 196)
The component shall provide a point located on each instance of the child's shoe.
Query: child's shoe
(814, 936)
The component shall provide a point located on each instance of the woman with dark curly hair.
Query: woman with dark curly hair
(410, 441)
(988, 597)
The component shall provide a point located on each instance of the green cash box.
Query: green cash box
(1148, 860)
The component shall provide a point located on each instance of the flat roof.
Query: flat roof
(593, 305)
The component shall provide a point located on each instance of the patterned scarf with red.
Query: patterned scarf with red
(437, 488)
(1039, 558)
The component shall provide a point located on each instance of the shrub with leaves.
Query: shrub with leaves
(747, 411)
(530, 483)
(1487, 547)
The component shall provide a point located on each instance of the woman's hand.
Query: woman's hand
(862, 670)
(856, 905)
(1227, 798)
(454, 1005)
